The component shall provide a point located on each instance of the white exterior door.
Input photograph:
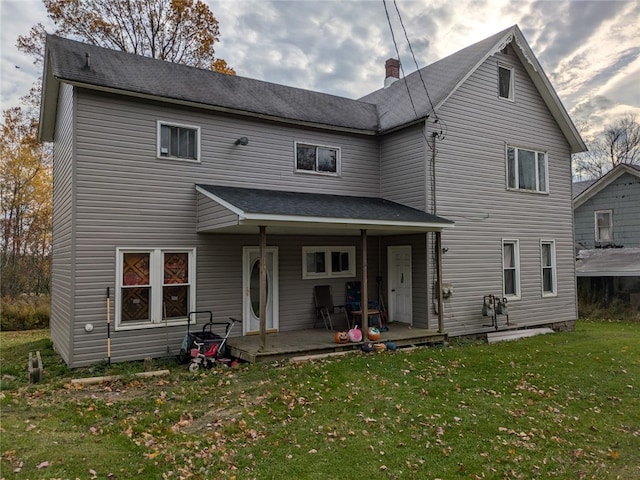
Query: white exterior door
(399, 294)
(251, 290)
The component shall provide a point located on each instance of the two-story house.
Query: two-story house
(607, 225)
(171, 183)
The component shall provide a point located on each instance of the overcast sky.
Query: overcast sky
(590, 50)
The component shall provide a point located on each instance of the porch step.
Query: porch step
(516, 334)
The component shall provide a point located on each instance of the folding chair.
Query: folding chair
(325, 308)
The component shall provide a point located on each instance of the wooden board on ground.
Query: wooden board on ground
(516, 334)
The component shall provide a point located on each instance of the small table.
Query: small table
(370, 312)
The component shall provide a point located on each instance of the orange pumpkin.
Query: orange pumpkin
(342, 337)
(373, 334)
(380, 347)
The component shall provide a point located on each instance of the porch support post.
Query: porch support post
(439, 282)
(263, 287)
(364, 300)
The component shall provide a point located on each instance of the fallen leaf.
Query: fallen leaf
(43, 465)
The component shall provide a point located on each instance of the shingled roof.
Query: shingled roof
(249, 201)
(444, 77)
(381, 111)
(135, 75)
(441, 78)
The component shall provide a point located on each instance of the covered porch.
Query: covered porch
(310, 342)
(274, 217)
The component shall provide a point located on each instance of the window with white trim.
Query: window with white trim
(505, 82)
(317, 159)
(323, 262)
(154, 286)
(511, 268)
(548, 268)
(178, 141)
(604, 226)
(527, 170)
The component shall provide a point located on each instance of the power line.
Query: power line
(395, 44)
(441, 135)
(406, 36)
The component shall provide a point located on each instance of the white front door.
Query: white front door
(251, 290)
(399, 294)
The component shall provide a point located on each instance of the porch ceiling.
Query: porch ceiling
(241, 210)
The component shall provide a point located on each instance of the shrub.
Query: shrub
(616, 310)
(25, 312)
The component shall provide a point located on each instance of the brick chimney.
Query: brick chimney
(392, 71)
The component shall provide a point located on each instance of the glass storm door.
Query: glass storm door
(251, 290)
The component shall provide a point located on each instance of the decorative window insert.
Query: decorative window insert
(604, 226)
(548, 266)
(178, 141)
(317, 159)
(527, 170)
(155, 286)
(511, 269)
(323, 262)
(505, 82)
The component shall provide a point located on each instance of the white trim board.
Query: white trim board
(494, 337)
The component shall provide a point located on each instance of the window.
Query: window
(604, 226)
(319, 159)
(321, 262)
(154, 286)
(511, 268)
(505, 82)
(527, 170)
(548, 264)
(178, 141)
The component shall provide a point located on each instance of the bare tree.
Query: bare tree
(178, 31)
(618, 142)
(622, 141)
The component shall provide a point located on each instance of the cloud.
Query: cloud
(589, 49)
(17, 71)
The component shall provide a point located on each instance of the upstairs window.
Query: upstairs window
(322, 262)
(548, 265)
(505, 82)
(511, 268)
(317, 158)
(178, 141)
(527, 170)
(604, 226)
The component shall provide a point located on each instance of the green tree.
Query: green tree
(178, 31)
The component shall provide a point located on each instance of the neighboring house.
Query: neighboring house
(167, 179)
(607, 225)
(607, 211)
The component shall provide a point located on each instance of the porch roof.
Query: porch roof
(224, 209)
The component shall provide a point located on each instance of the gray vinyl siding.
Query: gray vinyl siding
(402, 168)
(211, 215)
(622, 196)
(471, 190)
(126, 197)
(62, 266)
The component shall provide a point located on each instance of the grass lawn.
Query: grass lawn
(565, 405)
